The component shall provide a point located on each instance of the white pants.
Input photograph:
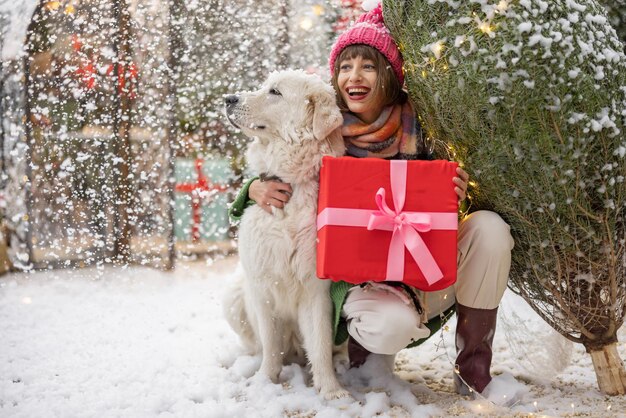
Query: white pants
(383, 321)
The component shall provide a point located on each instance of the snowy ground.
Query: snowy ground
(143, 343)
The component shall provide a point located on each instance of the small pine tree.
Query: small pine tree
(530, 95)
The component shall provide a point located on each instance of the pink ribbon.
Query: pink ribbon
(406, 226)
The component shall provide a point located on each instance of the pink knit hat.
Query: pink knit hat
(370, 30)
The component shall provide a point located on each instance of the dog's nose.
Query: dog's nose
(231, 99)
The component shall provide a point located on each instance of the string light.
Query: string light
(502, 6)
(485, 27)
(27, 300)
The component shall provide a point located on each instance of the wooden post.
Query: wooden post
(121, 130)
(28, 129)
(283, 37)
(175, 44)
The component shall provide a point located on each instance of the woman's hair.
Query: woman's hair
(387, 88)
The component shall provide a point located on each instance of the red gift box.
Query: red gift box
(381, 220)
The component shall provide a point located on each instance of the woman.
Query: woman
(379, 121)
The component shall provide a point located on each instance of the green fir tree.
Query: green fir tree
(530, 96)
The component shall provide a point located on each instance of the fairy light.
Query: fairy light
(52, 5)
(306, 23)
(27, 300)
(502, 6)
(318, 9)
(485, 27)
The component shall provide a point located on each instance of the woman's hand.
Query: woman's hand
(269, 193)
(461, 183)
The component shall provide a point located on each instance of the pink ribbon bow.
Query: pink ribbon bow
(405, 226)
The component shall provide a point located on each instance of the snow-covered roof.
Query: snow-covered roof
(14, 19)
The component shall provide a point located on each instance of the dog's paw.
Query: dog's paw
(336, 393)
(270, 371)
(341, 363)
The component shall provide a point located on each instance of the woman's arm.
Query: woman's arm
(266, 193)
(270, 193)
(241, 202)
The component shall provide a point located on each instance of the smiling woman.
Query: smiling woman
(362, 63)
(380, 122)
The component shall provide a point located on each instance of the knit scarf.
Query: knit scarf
(395, 134)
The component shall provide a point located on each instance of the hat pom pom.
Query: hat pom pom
(370, 4)
(374, 16)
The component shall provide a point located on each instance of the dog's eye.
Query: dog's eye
(275, 92)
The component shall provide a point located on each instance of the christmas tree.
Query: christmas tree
(530, 96)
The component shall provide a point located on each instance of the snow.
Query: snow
(14, 19)
(138, 342)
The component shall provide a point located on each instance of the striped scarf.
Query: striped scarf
(395, 134)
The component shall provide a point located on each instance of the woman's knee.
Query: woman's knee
(487, 230)
(383, 326)
(388, 332)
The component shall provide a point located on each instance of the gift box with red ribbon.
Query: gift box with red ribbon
(381, 220)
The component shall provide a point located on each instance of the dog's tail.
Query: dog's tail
(235, 312)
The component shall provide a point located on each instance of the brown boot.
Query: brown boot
(474, 335)
(356, 353)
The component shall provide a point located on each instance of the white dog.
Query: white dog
(279, 305)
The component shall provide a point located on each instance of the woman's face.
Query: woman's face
(356, 81)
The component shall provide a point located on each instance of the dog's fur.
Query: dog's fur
(279, 305)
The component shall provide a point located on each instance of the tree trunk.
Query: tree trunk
(609, 369)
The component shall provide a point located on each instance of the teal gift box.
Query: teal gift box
(209, 188)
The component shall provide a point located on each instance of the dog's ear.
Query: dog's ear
(326, 114)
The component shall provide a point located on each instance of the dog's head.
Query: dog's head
(294, 119)
(291, 105)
